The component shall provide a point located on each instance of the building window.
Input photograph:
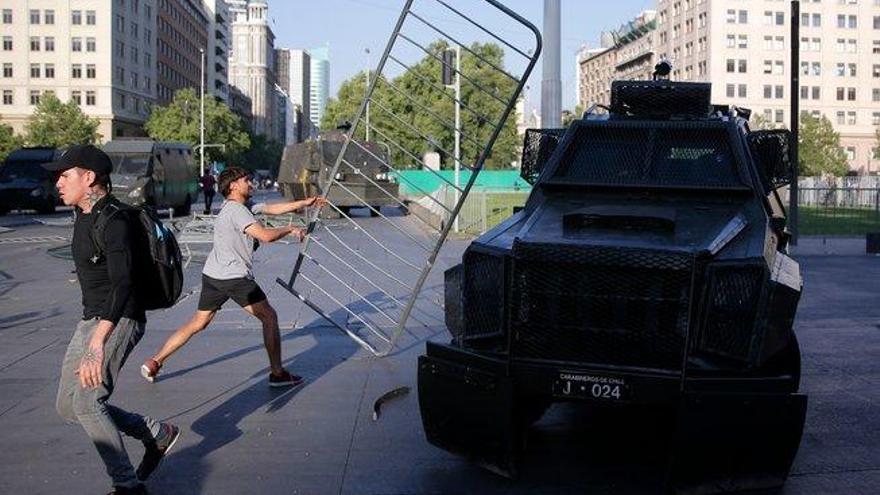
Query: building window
(35, 43)
(875, 94)
(49, 16)
(90, 17)
(7, 16)
(875, 70)
(850, 118)
(49, 71)
(768, 91)
(90, 71)
(841, 118)
(35, 16)
(134, 54)
(76, 71)
(851, 94)
(741, 66)
(35, 97)
(741, 91)
(850, 153)
(779, 116)
(76, 97)
(76, 44)
(877, 22)
(91, 44)
(875, 47)
(731, 90)
(7, 43)
(35, 71)
(49, 43)
(875, 118)
(120, 24)
(7, 70)
(90, 98)
(76, 17)
(122, 100)
(7, 97)
(816, 92)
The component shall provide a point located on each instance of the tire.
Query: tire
(345, 210)
(374, 213)
(47, 208)
(182, 211)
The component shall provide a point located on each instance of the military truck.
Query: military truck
(362, 179)
(649, 267)
(157, 173)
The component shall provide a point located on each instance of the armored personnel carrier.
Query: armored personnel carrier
(362, 178)
(648, 267)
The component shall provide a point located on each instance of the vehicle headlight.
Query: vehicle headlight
(37, 192)
(339, 176)
(136, 192)
(382, 176)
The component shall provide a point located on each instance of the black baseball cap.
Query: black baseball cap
(85, 156)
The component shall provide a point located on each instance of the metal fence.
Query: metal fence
(838, 206)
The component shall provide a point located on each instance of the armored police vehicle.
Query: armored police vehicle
(362, 180)
(648, 267)
(25, 184)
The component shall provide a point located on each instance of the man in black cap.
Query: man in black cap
(112, 324)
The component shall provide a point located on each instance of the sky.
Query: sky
(352, 26)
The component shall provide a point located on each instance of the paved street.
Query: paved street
(241, 437)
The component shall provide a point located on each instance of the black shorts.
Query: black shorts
(243, 291)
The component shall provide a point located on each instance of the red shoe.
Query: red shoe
(285, 379)
(150, 369)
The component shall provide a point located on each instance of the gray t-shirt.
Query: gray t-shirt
(233, 251)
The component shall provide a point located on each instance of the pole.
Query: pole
(202, 119)
(457, 149)
(551, 80)
(366, 93)
(795, 115)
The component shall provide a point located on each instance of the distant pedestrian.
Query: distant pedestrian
(112, 324)
(207, 182)
(228, 272)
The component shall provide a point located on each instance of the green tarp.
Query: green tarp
(420, 182)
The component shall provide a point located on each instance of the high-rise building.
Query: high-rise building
(182, 34)
(251, 61)
(100, 54)
(293, 70)
(743, 48)
(319, 83)
(218, 49)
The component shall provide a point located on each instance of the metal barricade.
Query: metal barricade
(366, 275)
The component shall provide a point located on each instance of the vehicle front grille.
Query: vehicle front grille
(730, 305)
(483, 295)
(604, 305)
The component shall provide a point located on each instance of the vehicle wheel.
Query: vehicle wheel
(345, 210)
(374, 213)
(47, 208)
(182, 211)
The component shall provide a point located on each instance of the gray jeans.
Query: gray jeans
(88, 407)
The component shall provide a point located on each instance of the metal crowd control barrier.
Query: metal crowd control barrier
(338, 273)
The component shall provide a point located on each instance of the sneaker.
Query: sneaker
(285, 379)
(156, 451)
(140, 489)
(150, 369)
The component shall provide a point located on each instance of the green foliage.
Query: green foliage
(263, 153)
(179, 121)
(9, 141)
(56, 124)
(819, 149)
(758, 121)
(417, 100)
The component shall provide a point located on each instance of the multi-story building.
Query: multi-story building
(251, 62)
(743, 48)
(218, 49)
(182, 34)
(293, 70)
(100, 54)
(626, 53)
(241, 105)
(319, 85)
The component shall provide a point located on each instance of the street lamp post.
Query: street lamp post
(457, 150)
(367, 93)
(202, 120)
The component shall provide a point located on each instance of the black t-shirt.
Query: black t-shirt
(107, 282)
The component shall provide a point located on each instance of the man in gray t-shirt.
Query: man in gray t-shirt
(228, 272)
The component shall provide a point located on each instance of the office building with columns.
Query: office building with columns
(251, 62)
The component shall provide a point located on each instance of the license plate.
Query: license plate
(581, 386)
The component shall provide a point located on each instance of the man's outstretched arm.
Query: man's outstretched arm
(292, 206)
(265, 234)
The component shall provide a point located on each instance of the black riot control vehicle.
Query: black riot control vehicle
(648, 267)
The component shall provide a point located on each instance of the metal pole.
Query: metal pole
(795, 116)
(202, 119)
(457, 150)
(366, 94)
(551, 82)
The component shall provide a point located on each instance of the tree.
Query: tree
(56, 124)
(179, 121)
(9, 141)
(758, 121)
(819, 150)
(416, 111)
(263, 153)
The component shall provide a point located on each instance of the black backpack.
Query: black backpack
(158, 266)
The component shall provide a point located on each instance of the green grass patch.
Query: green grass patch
(834, 221)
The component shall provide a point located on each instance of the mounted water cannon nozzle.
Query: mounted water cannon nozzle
(662, 69)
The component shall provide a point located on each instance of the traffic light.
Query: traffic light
(448, 69)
